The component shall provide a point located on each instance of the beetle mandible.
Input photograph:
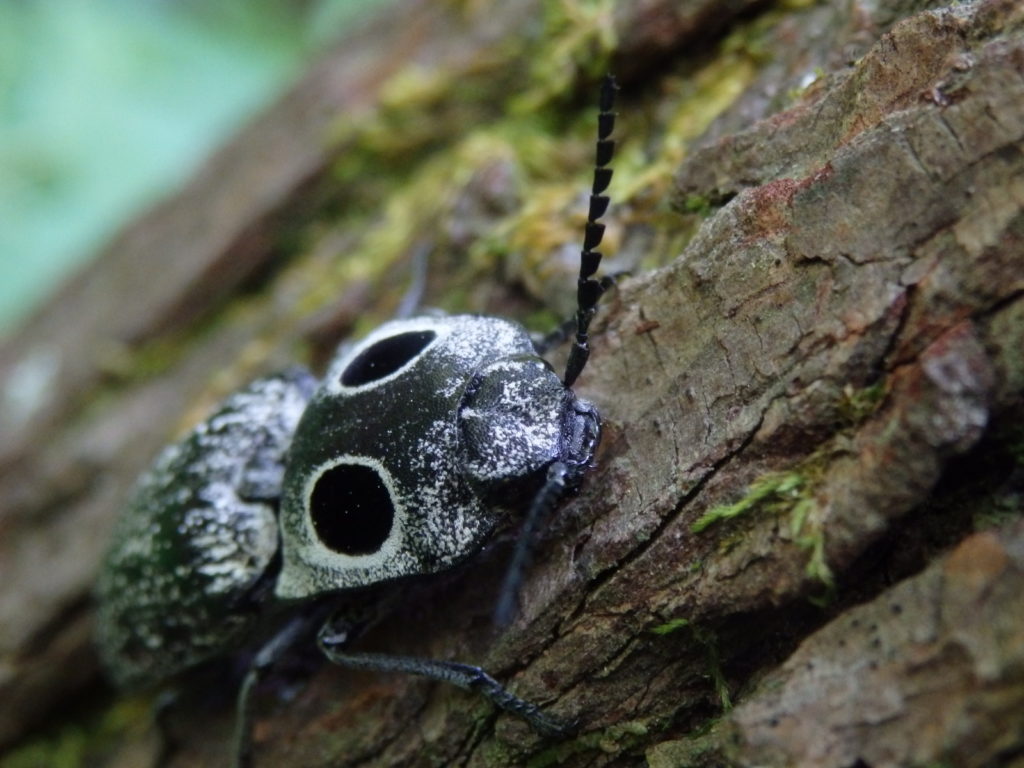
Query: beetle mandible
(399, 463)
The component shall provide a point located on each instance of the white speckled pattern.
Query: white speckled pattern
(197, 536)
(408, 422)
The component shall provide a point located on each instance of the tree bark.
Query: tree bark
(802, 542)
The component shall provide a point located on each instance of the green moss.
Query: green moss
(613, 740)
(124, 363)
(418, 110)
(578, 38)
(670, 626)
(771, 490)
(65, 750)
(83, 742)
(709, 642)
(700, 748)
(400, 165)
(856, 405)
(698, 204)
(784, 493)
(792, 494)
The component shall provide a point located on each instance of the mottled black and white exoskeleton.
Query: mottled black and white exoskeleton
(399, 463)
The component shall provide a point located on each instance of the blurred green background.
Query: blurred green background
(108, 105)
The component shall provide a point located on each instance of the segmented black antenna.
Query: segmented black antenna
(589, 290)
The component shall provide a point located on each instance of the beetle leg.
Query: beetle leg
(554, 489)
(332, 642)
(162, 706)
(261, 664)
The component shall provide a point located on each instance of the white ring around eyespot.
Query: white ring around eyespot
(317, 553)
(440, 326)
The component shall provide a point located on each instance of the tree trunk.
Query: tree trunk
(802, 543)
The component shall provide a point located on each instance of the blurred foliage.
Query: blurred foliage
(108, 105)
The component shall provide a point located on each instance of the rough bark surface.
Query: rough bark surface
(802, 543)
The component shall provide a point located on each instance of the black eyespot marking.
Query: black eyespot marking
(352, 510)
(385, 357)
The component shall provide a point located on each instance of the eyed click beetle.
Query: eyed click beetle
(399, 463)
